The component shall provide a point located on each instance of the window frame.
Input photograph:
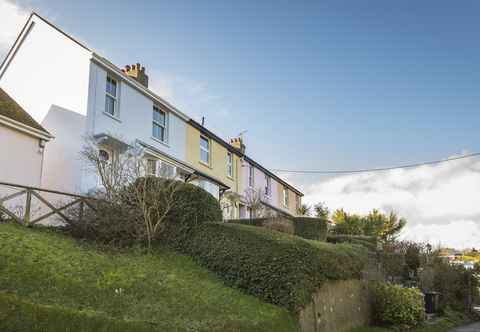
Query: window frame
(155, 161)
(251, 176)
(114, 97)
(229, 164)
(285, 197)
(158, 109)
(208, 151)
(268, 185)
(298, 201)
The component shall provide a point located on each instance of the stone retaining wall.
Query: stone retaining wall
(337, 307)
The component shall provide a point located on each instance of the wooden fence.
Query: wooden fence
(22, 198)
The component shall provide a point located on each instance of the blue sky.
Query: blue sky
(317, 84)
(329, 84)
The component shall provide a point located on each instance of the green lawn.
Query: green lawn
(167, 290)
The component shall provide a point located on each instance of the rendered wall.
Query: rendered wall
(48, 69)
(134, 118)
(337, 307)
(63, 164)
(218, 155)
(20, 158)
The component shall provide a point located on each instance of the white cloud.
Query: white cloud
(13, 19)
(439, 201)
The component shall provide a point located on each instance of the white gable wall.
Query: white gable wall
(47, 69)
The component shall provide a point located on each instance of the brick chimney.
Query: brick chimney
(137, 72)
(237, 143)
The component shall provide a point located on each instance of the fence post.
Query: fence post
(28, 204)
(80, 214)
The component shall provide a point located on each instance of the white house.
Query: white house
(22, 144)
(76, 93)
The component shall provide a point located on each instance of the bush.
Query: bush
(310, 228)
(370, 242)
(306, 227)
(112, 224)
(176, 206)
(21, 316)
(396, 305)
(283, 225)
(278, 268)
(455, 284)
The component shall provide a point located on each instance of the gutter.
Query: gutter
(25, 128)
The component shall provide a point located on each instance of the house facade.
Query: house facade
(76, 93)
(22, 143)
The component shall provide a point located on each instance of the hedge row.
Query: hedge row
(281, 269)
(370, 242)
(310, 228)
(306, 227)
(21, 316)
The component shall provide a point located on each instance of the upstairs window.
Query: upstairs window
(285, 196)
(204, 150)
(229, 164)
(151, 167)
(111, 96)
(251, 172)
(298, 201)
(268, 185)
(159, 124)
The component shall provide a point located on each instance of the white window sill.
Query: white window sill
(205, 164)
(112, 117)
(160, 141)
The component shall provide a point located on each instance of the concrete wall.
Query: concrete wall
(47, 69)
(135, 115)
(338, 306)
(20, 158)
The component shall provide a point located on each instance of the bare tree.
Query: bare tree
(125, 182)
(228, 200)
(254, 200)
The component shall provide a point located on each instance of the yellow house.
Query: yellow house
(216, 162)
(226, 172)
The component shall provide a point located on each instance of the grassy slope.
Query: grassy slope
(42, 267)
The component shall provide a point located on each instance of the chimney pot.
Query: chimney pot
(137, 72)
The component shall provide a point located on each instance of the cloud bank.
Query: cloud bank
(13, 19)
(441, 202)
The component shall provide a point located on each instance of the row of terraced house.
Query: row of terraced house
(55, 91)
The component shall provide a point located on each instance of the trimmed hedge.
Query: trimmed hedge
(306, 227)
(396, 305)
(22, 316)
(370, 242)
(310, 228)
(281, 269)
(122, 224)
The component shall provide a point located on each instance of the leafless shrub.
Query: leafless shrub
(129, 199)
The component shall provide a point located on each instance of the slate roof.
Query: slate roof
(10, 109)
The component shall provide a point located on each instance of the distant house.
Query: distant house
(22, 144)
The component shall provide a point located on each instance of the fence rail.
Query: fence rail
(56, 208)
